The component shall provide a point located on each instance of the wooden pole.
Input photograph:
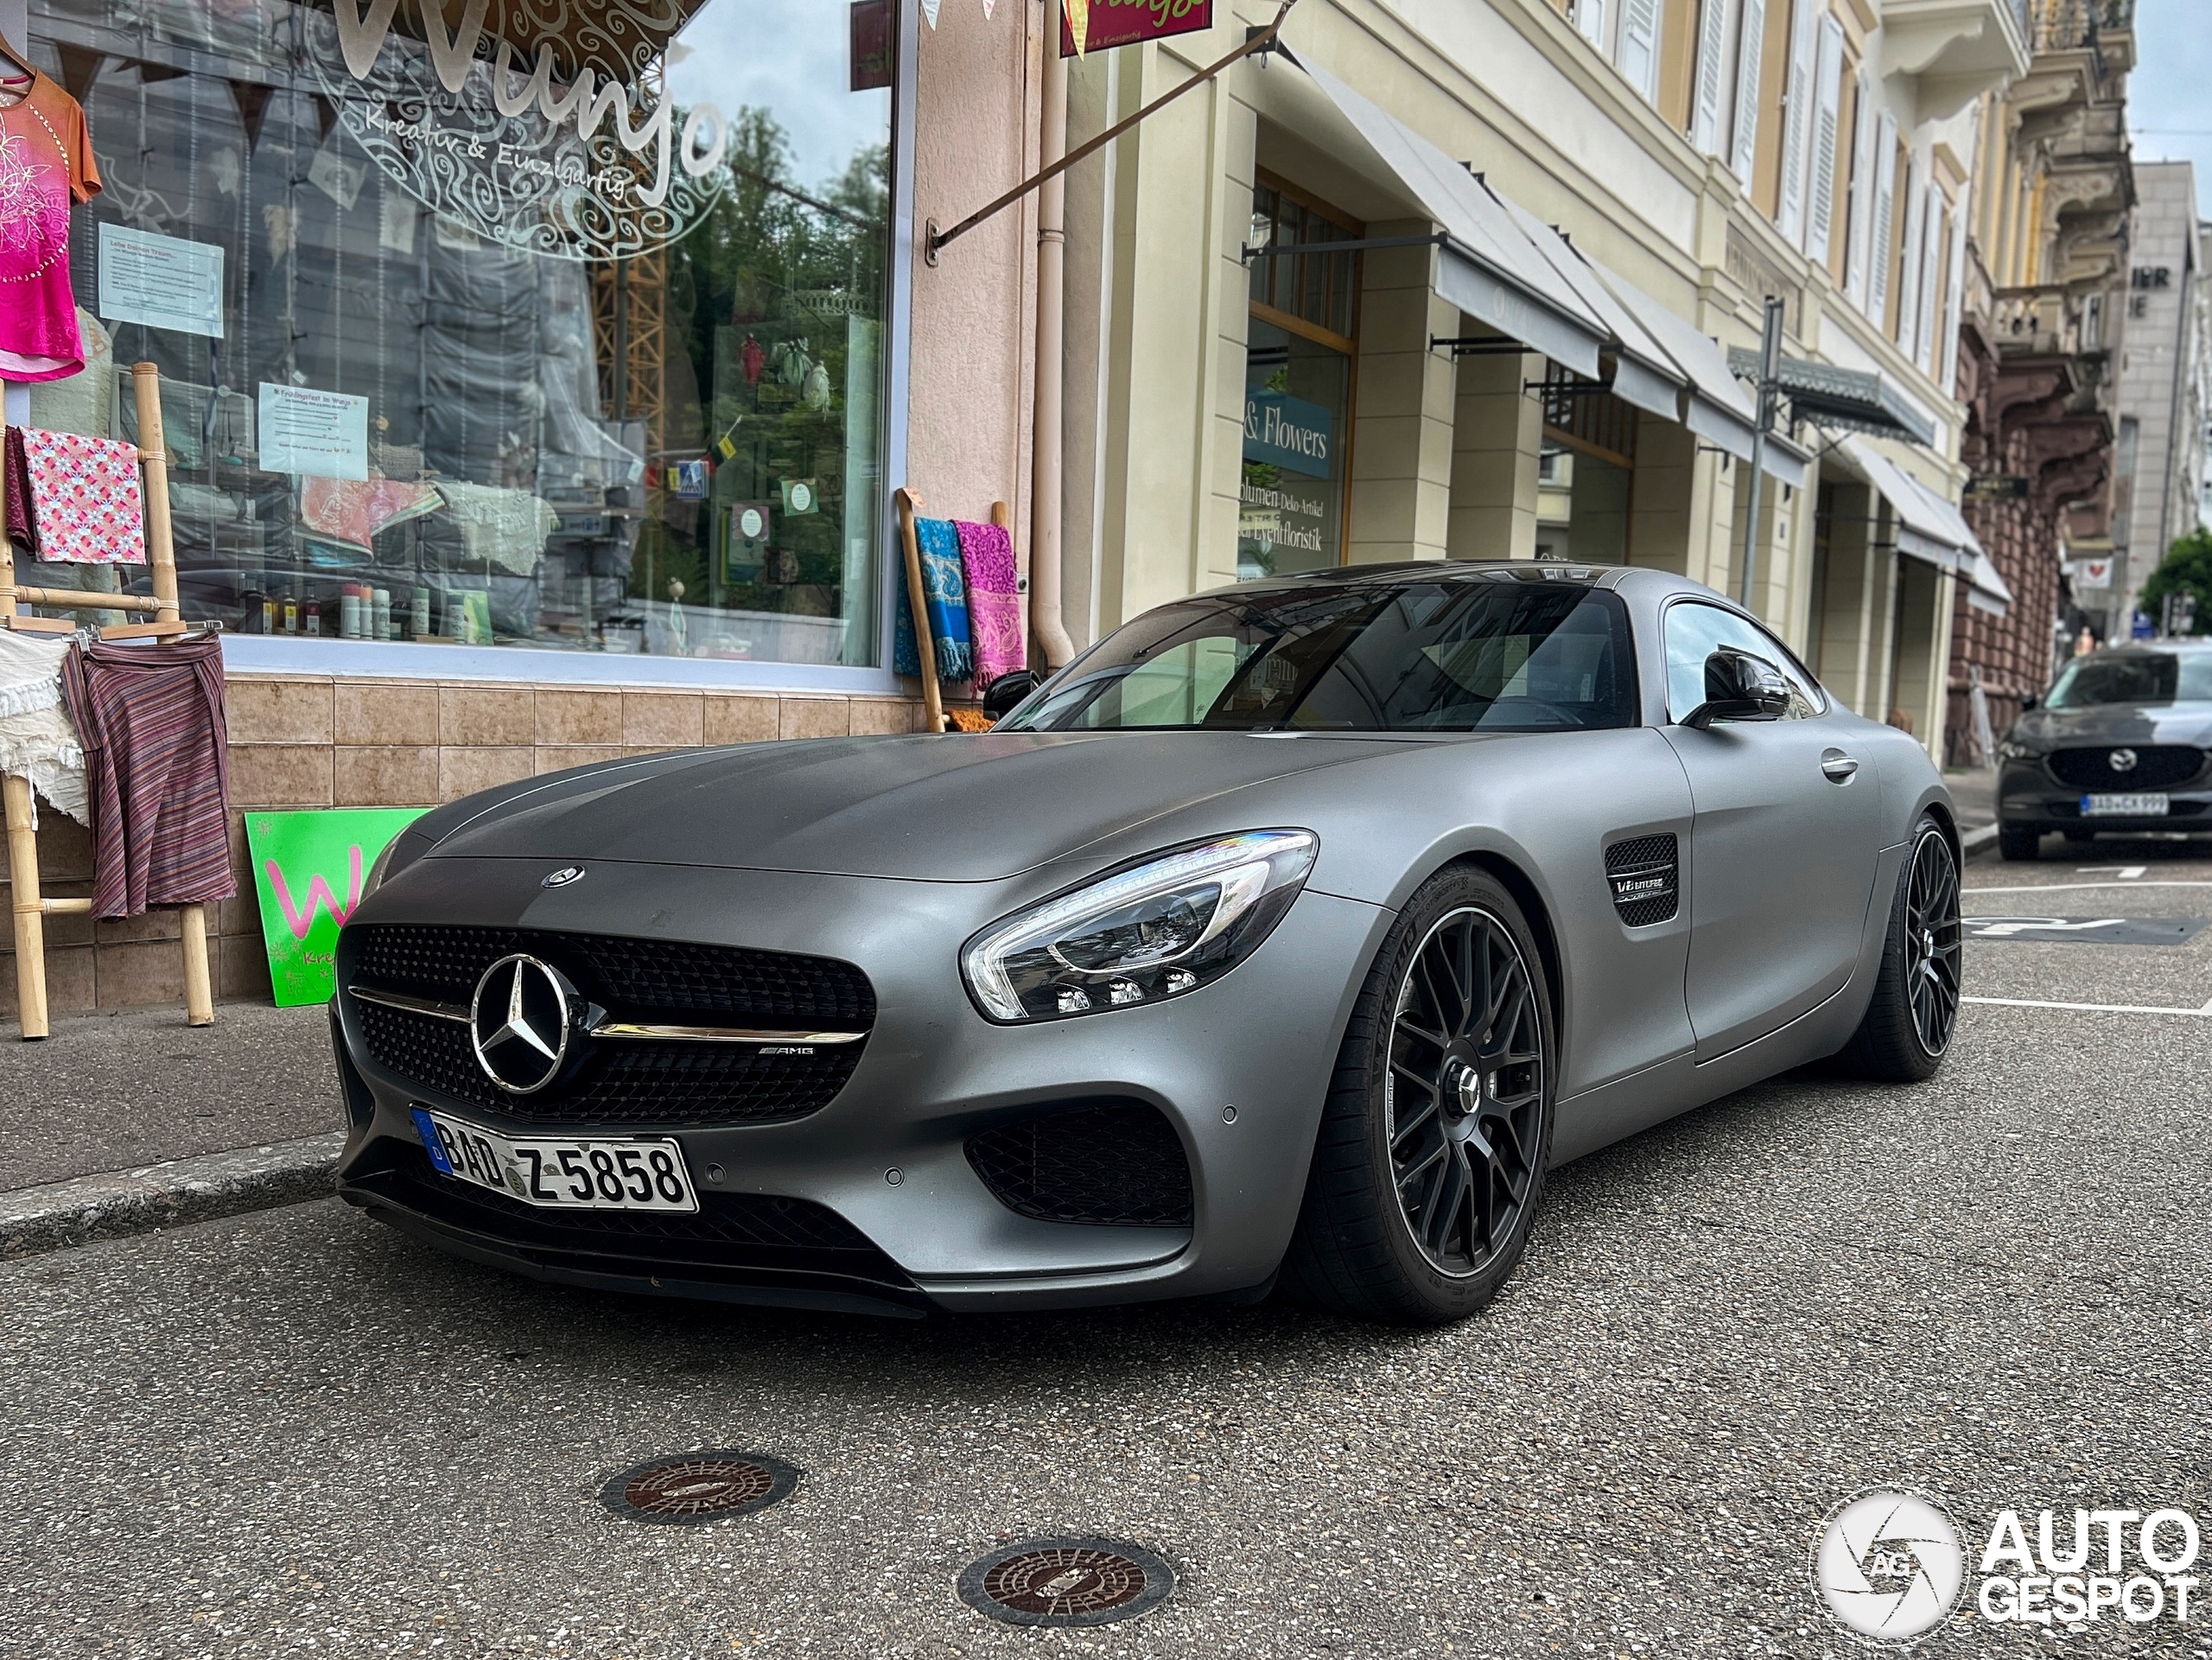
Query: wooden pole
(16, 808)
(918, 601)
(160, 555)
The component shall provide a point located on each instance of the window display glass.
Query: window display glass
(537, 325)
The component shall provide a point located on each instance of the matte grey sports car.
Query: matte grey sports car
(1290, 934)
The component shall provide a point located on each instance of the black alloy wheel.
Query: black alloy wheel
(1933, 942)
(1429, 1170)
(1464, 1099)
(1913, 1012)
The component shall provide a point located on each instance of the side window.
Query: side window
(1695, 632)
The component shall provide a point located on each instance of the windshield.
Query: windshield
(2133, 678)
(1513, 655)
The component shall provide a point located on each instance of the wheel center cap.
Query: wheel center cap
(1463, 1090)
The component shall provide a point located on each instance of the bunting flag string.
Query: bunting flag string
(1078, 22)
(929, 11)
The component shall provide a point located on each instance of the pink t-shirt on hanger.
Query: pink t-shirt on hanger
(46, 166)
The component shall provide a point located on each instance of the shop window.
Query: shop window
(445, 365)
(1586, 473)
(1298, 388)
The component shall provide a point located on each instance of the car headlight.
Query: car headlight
(381, 867)
(2012, 749)
(1168, 926)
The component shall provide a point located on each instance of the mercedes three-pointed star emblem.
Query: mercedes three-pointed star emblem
(519, 1023)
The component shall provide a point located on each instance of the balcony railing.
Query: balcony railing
(2070, 25)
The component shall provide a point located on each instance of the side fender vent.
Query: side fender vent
(1646, 877)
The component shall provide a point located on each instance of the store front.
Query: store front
(573, 340)
(533, 382)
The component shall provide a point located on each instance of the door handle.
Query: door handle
(1837, 767)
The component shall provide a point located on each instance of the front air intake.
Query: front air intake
(1111, 1164)
(1645, 876)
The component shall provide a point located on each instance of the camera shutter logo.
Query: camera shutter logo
(1889, 1564)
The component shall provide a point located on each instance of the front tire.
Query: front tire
(1914, 1015)
(2019, 845)
(1430, 1162)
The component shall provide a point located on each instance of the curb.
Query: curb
(116, 1203)
(1973, 841)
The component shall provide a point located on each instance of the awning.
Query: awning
(1486, 265)
(1844, 400)
(1929, 528)
(1986, 590)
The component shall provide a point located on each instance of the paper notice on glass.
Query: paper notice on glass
(162, 282)
(317, 434)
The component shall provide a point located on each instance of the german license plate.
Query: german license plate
(2124, 806)
(568, 1173)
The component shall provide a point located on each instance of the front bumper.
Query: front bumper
(2029, 798)
(933, 1073)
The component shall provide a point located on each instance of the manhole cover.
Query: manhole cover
(694, 1487)
(1066, 1582)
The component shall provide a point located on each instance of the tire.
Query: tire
(1914, 1015)
(2019, 845)
(1486, 1142)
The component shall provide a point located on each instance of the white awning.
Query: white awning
(1929, 528)
(1986, 590)
(1486, 265)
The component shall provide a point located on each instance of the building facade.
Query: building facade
(617, 326)
(2046, 314)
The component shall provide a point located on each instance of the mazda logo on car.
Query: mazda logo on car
(2122, 760)
(519, 1023)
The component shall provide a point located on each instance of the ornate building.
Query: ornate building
(2047, 264)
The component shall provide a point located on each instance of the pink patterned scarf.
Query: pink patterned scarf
(994, 600)
(85, 500)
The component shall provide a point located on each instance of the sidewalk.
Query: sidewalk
(139, 1087)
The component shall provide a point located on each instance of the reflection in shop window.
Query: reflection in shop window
(450, 368)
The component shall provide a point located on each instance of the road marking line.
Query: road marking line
(2127, 873)
(2069, 887)
(2204, 1012)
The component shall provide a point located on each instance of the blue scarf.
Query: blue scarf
(946, 592)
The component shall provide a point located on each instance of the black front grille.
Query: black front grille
(1109, 1164)
(1644, 874)
(619, 1082)
(730, 1231)
(625, 1083)
(2157, 767)
(642, 979)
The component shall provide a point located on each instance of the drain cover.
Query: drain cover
(1066, 1582)
(694, 1487)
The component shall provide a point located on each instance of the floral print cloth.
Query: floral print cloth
(85, 508)
(994, 600)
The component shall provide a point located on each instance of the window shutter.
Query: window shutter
(1750, 54)
(1590, 18)
(1916, 227)
(1639, 58)
(1712, 45)
(1797, 119)
(1947, 366)
(1932, 238)
(1827, 112)
(1884, 229)
(1862, 197)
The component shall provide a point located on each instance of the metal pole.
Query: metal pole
(1769, 380)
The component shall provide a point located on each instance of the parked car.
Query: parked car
(2119, 743)
(1291, 933)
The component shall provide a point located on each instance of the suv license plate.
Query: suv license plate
(568, 1173)
(2124, 806)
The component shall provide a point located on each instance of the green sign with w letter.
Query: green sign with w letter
(308, 868)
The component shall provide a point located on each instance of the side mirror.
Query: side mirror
(1000, 696)
(1740, 687)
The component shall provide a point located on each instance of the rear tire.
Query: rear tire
(2019, 845)
(1914, 1015)
(1429, 1166)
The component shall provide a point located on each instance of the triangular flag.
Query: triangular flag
(987, 11)
(929, 11)
(1079, 22)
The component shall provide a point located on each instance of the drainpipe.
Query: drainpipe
(1046, 458)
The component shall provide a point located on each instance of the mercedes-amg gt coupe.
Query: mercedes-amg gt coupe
(1284, 939)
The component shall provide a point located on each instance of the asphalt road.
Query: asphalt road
(299, 1433)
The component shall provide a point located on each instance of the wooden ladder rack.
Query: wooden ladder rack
(31, 908)
(909, 505)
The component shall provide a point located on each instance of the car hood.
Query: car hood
(2115, 723)
(948, 809)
